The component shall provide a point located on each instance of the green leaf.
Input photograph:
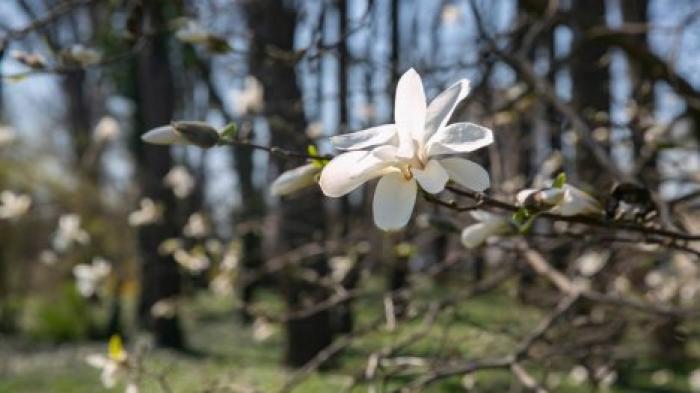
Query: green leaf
(560, 180)
(229, 132)
(523, 219)
(312, 151)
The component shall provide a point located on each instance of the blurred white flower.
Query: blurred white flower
(114, 365)
(83, 55)
(451, 14)
(164, 308)
(488, 225)
(169, 246)
(195, 261)
(183, 133)
(249, 99)
(192, 32)
(591, 262)
(149, 212)
(566, 201)
(69, 232)
(415, 151)
(694, 380)
(13, 205)
(196, 226)
(180, 181)
(314, 130)
(262, 329)
(578, 375)
(340, 266)
(7, 135)
(106, 130)
(295, 179)
(222, 284)
(89, 277)
(48, 258)
(231, 260)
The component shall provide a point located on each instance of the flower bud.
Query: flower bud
(196, 132)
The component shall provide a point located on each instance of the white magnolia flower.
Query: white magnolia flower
(89, 277)
(567, 200)
(183, 133)
(195, 261)
(249, 99)
(69, 232)
(295, 179)
(164, 308)
(114, 365)
(222, 284)
(83, 55)
(180, 181)
(14, 205)
(694, 380)
(107, 129)
(414, 151)
(192, 32)
(197, 226)
(7, 135)
(149, 212)
(488, 225)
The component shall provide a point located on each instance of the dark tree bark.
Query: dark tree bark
(591, 79)
(302, 220)
(154, 94)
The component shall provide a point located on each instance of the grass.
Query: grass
(232, 360)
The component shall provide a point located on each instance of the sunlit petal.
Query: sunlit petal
(466, 173)
(348, 171)
(393, 201)
(364, 139)
(441, 107)
(409, 111)
(459, 138)
(165, 135)
(432, 178)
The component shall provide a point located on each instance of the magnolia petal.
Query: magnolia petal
(366, 138)
(348, 171)
(295, 179)
(441, 107)
(577, 202)
(522, 195)
(409, 111)
(459, 138)
(433, 178)
(476, 234)
(165, 135)
(393, 201)
(466, 173)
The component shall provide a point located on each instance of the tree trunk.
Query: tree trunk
(301, 220)
(154, 92)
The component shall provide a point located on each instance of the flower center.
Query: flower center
(406, 172)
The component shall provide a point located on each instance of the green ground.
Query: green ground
(229, 359)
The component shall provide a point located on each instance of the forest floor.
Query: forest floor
(228, 357)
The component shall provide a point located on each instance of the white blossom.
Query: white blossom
(89, 277)
(566, 200)
(164, 308)
(13, 205)
(192, 32)
(107, 129)
(414, 151)
(195, 261)
(149, 212)
(694, 380)
(83, 55)
(69, 232)
(114, 365)
(295, 179)
(7, 135)
(196, 226)
(488, 225)
(180, 181)
(249, 99)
